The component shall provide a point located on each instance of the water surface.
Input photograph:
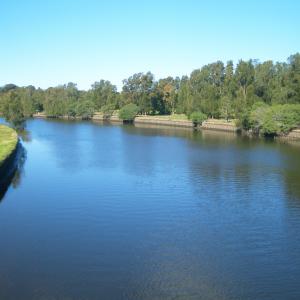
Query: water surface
(123, 212)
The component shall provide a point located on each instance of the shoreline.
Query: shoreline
(8, 158)
(210, 124)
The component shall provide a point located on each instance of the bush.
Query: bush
(257, 116)
(281, 119)
(274, 120)
(85, 109)
(243, 120)
(198, 117)
(107, 110)
(128, 112)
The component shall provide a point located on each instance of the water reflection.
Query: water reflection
(291, 172)
(124, 212)
(14, 175)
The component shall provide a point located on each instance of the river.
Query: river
(124, 212)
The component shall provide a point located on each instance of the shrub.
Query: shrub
(128, 112)
(107, 110)
(257, 116)
(85, 109)
(283, 118)
(274, 120)
(198, 117)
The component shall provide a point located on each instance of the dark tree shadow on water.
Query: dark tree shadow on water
(11, 174)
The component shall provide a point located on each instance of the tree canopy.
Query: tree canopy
(218, 90)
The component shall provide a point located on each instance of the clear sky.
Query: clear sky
(46, 43)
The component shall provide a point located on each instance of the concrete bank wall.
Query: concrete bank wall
(158, 121)
(95, 117)
(293, 135)
(212, 124)
(219, 125)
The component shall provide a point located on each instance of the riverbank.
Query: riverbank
(293, 135)
(177, 121)
(162, 120)
(9, 145)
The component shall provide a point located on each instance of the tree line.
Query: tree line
(260, 95)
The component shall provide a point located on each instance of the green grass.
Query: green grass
(222, 121)
(8, 142)
(173, 117)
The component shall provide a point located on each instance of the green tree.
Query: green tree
(139, 89)
(168, 87)
(12, 110)
(85, 109)
(104, 93)
(128, 112)
(294, 77)
(244, 76)
(198, 117)
(226, 108)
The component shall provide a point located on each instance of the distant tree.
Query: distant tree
(8, 87)
(85, 109)
(226, 108)
(128, 112)
(12, 110)
(264, 74)
(294, 78)
(139, 89)
(244, 76)
(104, 93)
(217, 90)
(107, 110)
(168, 87)
(198, 117)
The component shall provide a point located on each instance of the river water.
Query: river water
(124, 212)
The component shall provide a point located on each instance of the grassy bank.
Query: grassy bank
(173, 117)
(8, 142)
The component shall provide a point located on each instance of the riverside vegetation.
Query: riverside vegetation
(263, 98)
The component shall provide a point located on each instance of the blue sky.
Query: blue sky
(46, 43)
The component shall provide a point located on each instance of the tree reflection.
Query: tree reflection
(291, 172)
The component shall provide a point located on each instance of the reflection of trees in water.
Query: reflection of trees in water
(66, 139)
(217, 172)
(244, 165)
(291, 171)
(159, 130)
(137, 152)
(151, 149)
(15, 174)
(224, 166)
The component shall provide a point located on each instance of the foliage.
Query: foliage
(198, 117)
(226, 108)
(12, 110)
(128, 112)
(218, 90)
(85, 109)
(103, 93)
(274, 120)
(107, 110)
